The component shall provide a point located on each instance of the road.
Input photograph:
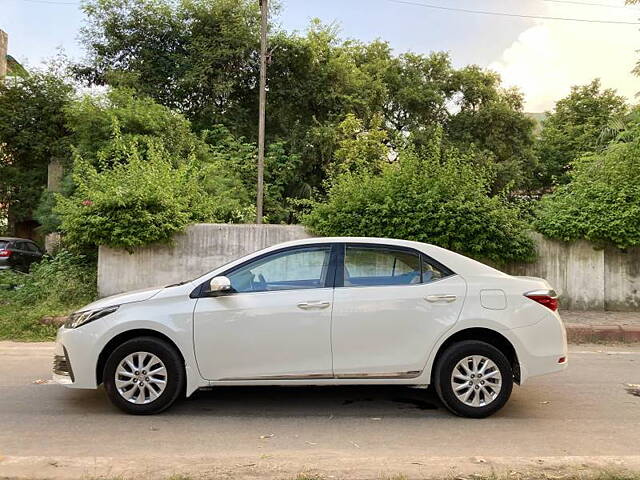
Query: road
(587, 414)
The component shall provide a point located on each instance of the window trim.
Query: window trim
(201, 290)
(422, 257)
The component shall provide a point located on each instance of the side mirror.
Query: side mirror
(220, 286)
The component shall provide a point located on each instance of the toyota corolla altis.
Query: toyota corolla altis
(322, 311)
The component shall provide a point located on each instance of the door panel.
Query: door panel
(264, 334)
(276, 323)
(389, 330)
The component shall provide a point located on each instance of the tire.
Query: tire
(161, 385)
(486, 394)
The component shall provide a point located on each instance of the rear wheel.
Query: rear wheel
(473, 379)
(144, 376)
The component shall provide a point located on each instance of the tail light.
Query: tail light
(545, 297)
(5, 253)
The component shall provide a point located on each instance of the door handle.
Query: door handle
(440, 298)
(308, 305)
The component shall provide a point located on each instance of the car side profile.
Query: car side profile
(321, 311)
(18, 253)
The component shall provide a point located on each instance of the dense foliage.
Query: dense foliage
(574, 128)
(181, 97)
(92, 118)
(32, 133)
(135, 196)
(200, 58)
(196, 56)
(601, 203)
(436, 197)
(55, 286)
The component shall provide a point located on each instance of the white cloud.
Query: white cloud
(547, 59)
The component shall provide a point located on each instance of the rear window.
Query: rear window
(3, 245)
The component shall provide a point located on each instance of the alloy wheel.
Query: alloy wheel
(141, 377)
(476, 381)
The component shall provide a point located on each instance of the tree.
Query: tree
(437, 197)
(33, 132)
(92, 118)
(192, 55)
(491, 121)
(237, 157)
(361, 149)
(201, 58)
(574, 128)
(601, 202)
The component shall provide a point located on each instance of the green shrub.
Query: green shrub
(56, 286)
(438, 198)
(602, 201)
(136, 196)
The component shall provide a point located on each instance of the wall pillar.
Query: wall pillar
(4, 48)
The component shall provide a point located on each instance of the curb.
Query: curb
(581, 333)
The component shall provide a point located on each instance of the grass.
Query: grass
(55, 287)
(21, 322)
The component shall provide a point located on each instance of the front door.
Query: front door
(276, 324)
(393, 307)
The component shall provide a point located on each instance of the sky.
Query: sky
(543, 58)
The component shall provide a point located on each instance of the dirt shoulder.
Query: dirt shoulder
(327, 466)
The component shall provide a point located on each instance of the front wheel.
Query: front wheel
(144, 376)
(473, 379)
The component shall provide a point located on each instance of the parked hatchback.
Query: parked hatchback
(18, 253)
(324, 311)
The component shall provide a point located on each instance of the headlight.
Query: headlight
(80, 318)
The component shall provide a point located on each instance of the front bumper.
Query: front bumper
(62, 367)
(76, 357)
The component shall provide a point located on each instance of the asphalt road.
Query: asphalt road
(589, 411)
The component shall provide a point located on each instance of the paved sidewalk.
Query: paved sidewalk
(600, 318)
(601, 327)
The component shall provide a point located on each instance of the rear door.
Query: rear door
(391, 305)
(32, 252)
(20, 256)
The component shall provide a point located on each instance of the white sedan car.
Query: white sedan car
(322, 311)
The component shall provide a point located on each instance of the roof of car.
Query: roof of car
(454, 261)
(388, 241)
(12, 239)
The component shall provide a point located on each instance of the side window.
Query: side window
(20, 246)
(430, 272)
(368, 266)
(30, 247)
(288, 270)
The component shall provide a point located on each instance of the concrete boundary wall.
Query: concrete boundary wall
(585, 277)
(199, 250)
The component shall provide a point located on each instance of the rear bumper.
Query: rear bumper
(541, 348)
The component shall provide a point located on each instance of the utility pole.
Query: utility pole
(264, 11)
